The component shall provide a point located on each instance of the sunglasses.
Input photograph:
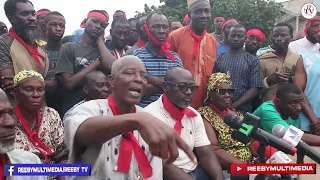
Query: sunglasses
(225, 91)
(182, 87)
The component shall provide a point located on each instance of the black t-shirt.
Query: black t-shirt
(73, 58)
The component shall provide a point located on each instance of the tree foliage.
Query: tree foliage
(260, 13)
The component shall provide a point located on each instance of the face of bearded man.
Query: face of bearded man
(24, 22)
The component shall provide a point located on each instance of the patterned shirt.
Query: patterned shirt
(245, 73)
(224, 135)
(51, 133)
(156, 65)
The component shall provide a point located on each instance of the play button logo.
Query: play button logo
(238, 169)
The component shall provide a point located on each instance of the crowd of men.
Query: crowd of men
(147, 101)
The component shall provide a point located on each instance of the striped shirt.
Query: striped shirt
(156, 65)
(245, 73)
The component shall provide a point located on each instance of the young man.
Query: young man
(156, 57)
(18, 49)
(244, 69)
(8, 154)
(278, 66)
(40, 23)
(196, 48)
(175, 25)
(95, 86)
(308, 43)
(307, 78)
(224, 46)
(134, 33)
(76, 59)
(107, 132)
(284, 109)
(54, 26)
(218, 34)
(120, 31)
(173, 108)
(143, 37)
(255, 37)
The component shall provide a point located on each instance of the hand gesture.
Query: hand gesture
(315, 126)
(278, 78)
(163, 140)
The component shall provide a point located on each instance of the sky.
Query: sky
(76, 10)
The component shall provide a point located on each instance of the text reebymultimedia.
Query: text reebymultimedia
(273, 168)
(47, 169)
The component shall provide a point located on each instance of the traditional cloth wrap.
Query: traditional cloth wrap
(195, 2)
(186, 18)
(216, 79)
(25, 75)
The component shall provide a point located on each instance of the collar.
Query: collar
(153, 53)
(278, 109)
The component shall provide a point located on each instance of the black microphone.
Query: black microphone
(279, 131)
(258, 134)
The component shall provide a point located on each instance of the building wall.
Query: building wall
(295, 5)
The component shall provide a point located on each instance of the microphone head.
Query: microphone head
(233, 120)
(279, 131)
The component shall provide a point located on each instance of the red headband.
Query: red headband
(227, 22)
(308, 24)
(124, 14)
(42, 12)
(219, 18)
(98, 15)
(164, 47)
(256, 32)
(186, 18)
(82, 25)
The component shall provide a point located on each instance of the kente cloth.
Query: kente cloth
(182, 42)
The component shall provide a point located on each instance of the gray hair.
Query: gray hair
(117, 65)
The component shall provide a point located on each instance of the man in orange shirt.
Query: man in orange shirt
(196, 47)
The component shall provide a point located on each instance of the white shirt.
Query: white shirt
(193, 132)
(18, 156)
(104, 159)
(302, 46)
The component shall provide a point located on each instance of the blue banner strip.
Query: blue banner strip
(47, 169)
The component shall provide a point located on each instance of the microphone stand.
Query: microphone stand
(262, 159)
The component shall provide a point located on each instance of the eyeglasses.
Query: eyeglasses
(225, 91)
(182, 87)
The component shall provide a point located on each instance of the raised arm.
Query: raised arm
(300, 79)
(107, 58)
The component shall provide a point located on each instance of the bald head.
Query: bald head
(3, 95)
(92, 76)
(124, 61)
(176, 73)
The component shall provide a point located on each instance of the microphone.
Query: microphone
(293, 135)
(258, 134)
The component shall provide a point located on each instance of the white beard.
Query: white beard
(4, 148)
